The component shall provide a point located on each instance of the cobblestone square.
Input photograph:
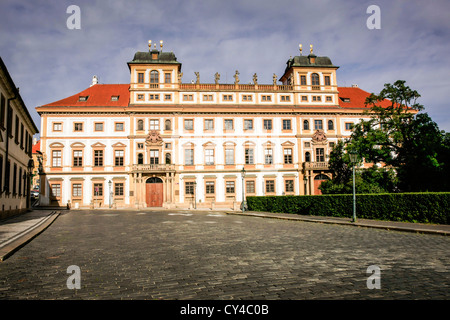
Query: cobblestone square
(211, 255)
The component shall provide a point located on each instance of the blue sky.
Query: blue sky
(48, 61)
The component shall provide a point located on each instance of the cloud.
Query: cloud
(50, 62)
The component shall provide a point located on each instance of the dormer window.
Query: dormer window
(114, 98)
(345, 99)
(83, 98)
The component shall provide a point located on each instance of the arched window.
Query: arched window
(168, 125)
(140, 158)
(307, 157)
(315, 79)
(168, 158)
(330, 125)
(154, 76)
(305, 125)
(140, 125)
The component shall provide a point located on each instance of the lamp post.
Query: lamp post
(110, 193)
(243, 194)
(354, 158)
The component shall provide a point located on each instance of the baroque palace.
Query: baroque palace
(158, 142)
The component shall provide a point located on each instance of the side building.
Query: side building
(16, 135)
(158, 142)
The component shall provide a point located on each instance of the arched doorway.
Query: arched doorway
(154, 192)
(317, 181)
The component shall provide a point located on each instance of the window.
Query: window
(16, 136)
(57, 126)
(229, 156)
(98, 158)
(315, 79)
(287, 124)
(348, 126)
(78, 126)
(331, 145)
(168, 125)
(140, 77)
(289, 186)
(154, 124)
(249, 156)
(140, 158)
(267, 124)
(189, 187)
(98, 189)
(154, 156)
(318, 124)
(167, 77)
(316, 98)
(307, 144)
(250, 186)
(270, 186)
(56, 190)
(209, 124)
(307, 157)
(167, 97)
(140, 125)
(83, 98)
(77, 190)
(118, 158)
(114, 98)
(305, 125)
(228, 124)
(119, 126)
(2, 111)
(14, 190)
(329, 98)
(154, 76)
(77, 158)
(168, 145)
(320, 155)
(330, 125)
(246, 97)
(188, 124)
(189, 157)
(207, 97)
(227, 97)
(303, 80)
(209, 187)
(287, 155)
(304, 98)
(153, 97)
(327, 80)
(187, 97)
(268, 157)
(118, 189)
(168, 158)
(209, 156)
(56, 158)
(140, 97)
(285, 98)
(98, 126)
(266, 98)
(229, 187)
(248, 124)
(140, 145)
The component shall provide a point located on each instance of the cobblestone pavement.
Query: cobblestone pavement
(212, 255)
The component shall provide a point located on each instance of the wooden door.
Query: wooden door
(154, 194)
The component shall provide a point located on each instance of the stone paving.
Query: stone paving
(214, 256)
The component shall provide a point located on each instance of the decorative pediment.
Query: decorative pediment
(98, 145)
(56, 145)
(319, 137)
(77, 145)
(288, 144)
(209, 144)
(119, 145)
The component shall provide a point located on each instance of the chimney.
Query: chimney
(354, 86)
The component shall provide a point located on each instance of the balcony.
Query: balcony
(316, 165)
(153, 167)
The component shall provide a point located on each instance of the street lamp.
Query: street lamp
(110, 193)
(243, 194)
(354, 158)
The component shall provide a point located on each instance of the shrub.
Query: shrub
(433, 207)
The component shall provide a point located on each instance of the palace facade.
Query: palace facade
(159, 142)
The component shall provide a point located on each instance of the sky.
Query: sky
(49, 61)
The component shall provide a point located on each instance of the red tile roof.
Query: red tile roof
(36, 147)
(98, 95)
(357, 98)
